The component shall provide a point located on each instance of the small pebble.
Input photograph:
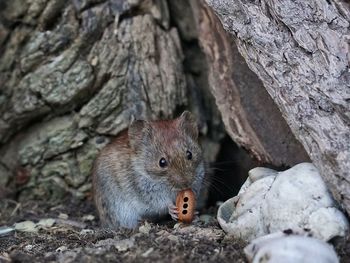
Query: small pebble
(173, 238)
(86, 232)
(61, 249)
(63, 216)
(88, 217)
(162, 232)
(28, 247)
(149, 251)
(145, 229)
(206, 218)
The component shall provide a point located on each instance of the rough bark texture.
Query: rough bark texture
(72, 73)
(249, 114)
(300, 51)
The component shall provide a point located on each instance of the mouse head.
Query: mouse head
(168, 150)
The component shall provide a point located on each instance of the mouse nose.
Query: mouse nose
(182, 181)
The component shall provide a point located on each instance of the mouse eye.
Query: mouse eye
(163, 163)
(189, 155)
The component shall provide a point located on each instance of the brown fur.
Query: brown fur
(127, 174)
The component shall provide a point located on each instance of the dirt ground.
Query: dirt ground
(74, 236)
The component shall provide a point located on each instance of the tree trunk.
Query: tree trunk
(73, 74)
(249, 114)
(300, 51)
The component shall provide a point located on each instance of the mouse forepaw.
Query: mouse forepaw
(173, 212)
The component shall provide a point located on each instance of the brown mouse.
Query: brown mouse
(138, 175)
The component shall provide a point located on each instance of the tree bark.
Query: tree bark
(74, 73)
(248, 112)
(300, 51)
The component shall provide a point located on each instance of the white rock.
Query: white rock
(271, 201)
(173, 238)
(26, 226)
(124, 245)
(279, 247)
(61, 249)
(144, 229)
(88, 218)
(46, 222)
(28, 248)
(121, 245)
(86, 232)
(148, 252)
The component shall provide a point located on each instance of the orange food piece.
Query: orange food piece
(186, 203)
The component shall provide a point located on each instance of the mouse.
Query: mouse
(138, 175)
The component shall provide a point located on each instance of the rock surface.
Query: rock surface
(271, 201)
(290, 248)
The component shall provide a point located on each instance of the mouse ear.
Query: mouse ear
(138, 130)
(187, 123)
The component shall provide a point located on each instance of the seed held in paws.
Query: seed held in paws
(186, 203)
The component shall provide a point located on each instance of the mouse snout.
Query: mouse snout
(182, 181)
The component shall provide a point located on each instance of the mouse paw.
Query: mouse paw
(173, 212)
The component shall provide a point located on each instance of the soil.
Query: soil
(76, 237)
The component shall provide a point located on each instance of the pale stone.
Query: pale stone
(271, 201)
(280, 247)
